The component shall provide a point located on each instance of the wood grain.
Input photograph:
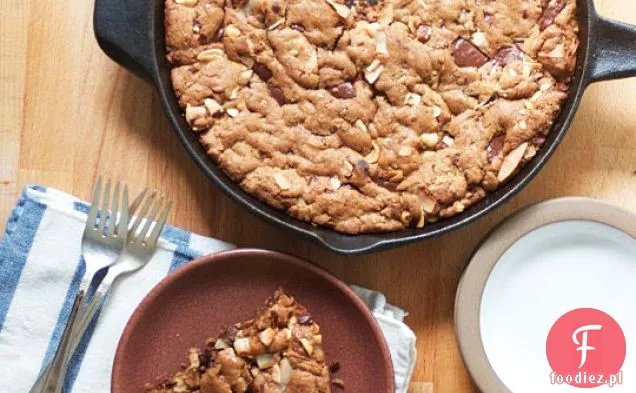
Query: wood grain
(68, 114)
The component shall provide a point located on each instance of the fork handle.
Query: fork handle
(52, 378)
(64, 351)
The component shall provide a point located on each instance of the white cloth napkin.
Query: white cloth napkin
(39, 275)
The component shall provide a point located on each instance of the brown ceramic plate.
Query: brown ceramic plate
(202, 297)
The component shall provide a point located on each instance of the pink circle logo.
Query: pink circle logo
(586, 348)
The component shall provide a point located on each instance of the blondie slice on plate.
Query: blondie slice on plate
(280, 350)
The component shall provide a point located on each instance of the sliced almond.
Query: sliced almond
(267, 336)
(232, 112)
(265, 360)
(212, 106)
(511, 162)
(372, 157)
(340, 9)
(428, 204)
(193, 112)
(380, 43)
(274, 25)
(412, 99)
(234, 93)
(373, 71)
(282, 181)
(276, 373)
(448, 140)
(335, 183)
(309, 348)
(285, 371)
(430, 139)
(187, 3)
(210, 54)
(232, 31)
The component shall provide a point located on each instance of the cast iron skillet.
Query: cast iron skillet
(131, 32)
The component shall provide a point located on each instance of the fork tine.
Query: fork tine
(143, 212)
(149, 220)
(91, 221)
(137, 202)
(114, 211)
(122, 230)
(104, 211)
(156, 231)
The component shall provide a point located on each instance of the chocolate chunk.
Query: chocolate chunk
(507, 55)
(297, 27)
(385, 184)
(372, 2)
(424, 33)
(305, 319)
(334, 368)
(562, 87)
(263, 72)
(466, 54)
(202, 39)
(550, 13)
(276, 8)
(350, 3)
(495, 147)
(276, 93)
(344, 90)
(488, 18)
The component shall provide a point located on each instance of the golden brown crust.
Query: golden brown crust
(371, 116)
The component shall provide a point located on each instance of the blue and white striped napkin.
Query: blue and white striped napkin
(39, 276)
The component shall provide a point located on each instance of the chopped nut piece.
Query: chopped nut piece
(285, 371)
(265, 361)
(437, 111)
(511, 162)
(318, 339)
(479, 39)
(242, 346)
(232, 31)
(267, 335)
(220, 344)
(448, 140)
(546, 86)
(422, 220)
(245, 76)
(372, 157)
(282, 181)
(428, 204)
(412, 99)
(232, 112)
(360, 124)
(380, 43)
(430, 139)
(523, 125)
(335, 183)
(309, 348)
(210, 54)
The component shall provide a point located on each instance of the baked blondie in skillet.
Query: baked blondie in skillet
(137, 41)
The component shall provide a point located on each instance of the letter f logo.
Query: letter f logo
(583, 344)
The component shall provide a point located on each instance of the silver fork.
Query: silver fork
(102, 244)
(140, 247)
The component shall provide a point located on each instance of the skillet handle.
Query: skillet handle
(125, 32)
(613, 50)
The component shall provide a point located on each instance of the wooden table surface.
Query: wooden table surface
(68, 113)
